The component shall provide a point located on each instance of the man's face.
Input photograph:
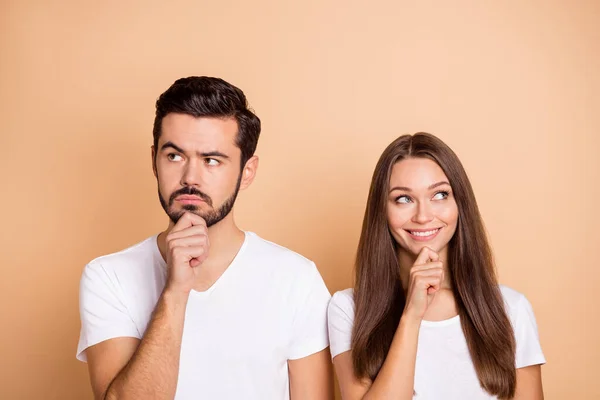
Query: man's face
(197, 166)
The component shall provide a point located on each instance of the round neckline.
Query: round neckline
(444, 322)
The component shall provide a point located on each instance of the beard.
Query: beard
(211, 217)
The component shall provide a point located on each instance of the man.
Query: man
(204, 310)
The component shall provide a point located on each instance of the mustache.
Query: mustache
(190, 191)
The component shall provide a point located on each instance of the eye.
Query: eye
(403, 199)
(174, 157)
(212, 162)
(441, 195)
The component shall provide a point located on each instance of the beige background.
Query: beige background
(512, 86)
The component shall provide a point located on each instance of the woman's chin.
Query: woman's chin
(415, 248)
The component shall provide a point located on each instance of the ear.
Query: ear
(249, 172)
(154, 161)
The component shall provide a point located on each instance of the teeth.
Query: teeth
(427, 233)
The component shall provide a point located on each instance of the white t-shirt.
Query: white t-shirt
(443, 368)
(268, 307)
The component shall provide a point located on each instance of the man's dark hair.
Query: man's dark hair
(202, 96)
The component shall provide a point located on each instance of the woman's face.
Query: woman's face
(421, 209)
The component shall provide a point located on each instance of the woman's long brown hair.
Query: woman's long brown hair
(378, 294)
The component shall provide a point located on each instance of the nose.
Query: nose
(191, 173)
(423, 213)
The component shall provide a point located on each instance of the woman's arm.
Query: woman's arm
(396, 377)
(529, 383)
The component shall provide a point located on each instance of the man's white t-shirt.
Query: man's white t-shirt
(443, 368)
(268, 307)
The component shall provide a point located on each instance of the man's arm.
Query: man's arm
(127, 368)
(311, 378)
(106, 359)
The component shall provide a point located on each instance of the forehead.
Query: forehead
(416, 173)
(199, 134)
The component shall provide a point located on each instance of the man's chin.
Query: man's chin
(175, 215)
(191, 208)
(211, 219)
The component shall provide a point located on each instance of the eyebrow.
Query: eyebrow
(171, 145)
(406, 189)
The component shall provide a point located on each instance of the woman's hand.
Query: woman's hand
(425, 280)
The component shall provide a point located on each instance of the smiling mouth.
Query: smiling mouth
(422, 234)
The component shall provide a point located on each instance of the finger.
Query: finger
(196, 219)
(188, 253)
(194, 262)
(427, 266)
(189, 241)
(432, 290)
(429, 282)
(433, 255)
(187, 232)
(421, 281)
(187, 220)
(183, 222)
(425, 255)
(429, 272)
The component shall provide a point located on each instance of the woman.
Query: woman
(427, 317)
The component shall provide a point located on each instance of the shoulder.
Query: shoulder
(344, 297)
(513, 300)
(139, 256)
(340, 320)
(342, 302)
(275, 255)
(517, 307)
(522, 318)
(298, 278)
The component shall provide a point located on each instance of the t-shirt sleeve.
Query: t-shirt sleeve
(309, 332)
(529, 350)
(340, 318)
(103, 314)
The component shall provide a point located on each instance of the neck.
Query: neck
(407, 260)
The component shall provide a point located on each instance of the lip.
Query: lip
(188, 199)
(423, 238)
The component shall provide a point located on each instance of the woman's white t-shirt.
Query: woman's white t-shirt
(443, 368)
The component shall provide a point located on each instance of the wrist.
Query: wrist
(175, 295)
(408, 321)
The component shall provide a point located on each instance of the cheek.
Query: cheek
(165, 170)
(221, 184)
(167, 178)
(397, 217)
(164, 190)
(449, 214)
